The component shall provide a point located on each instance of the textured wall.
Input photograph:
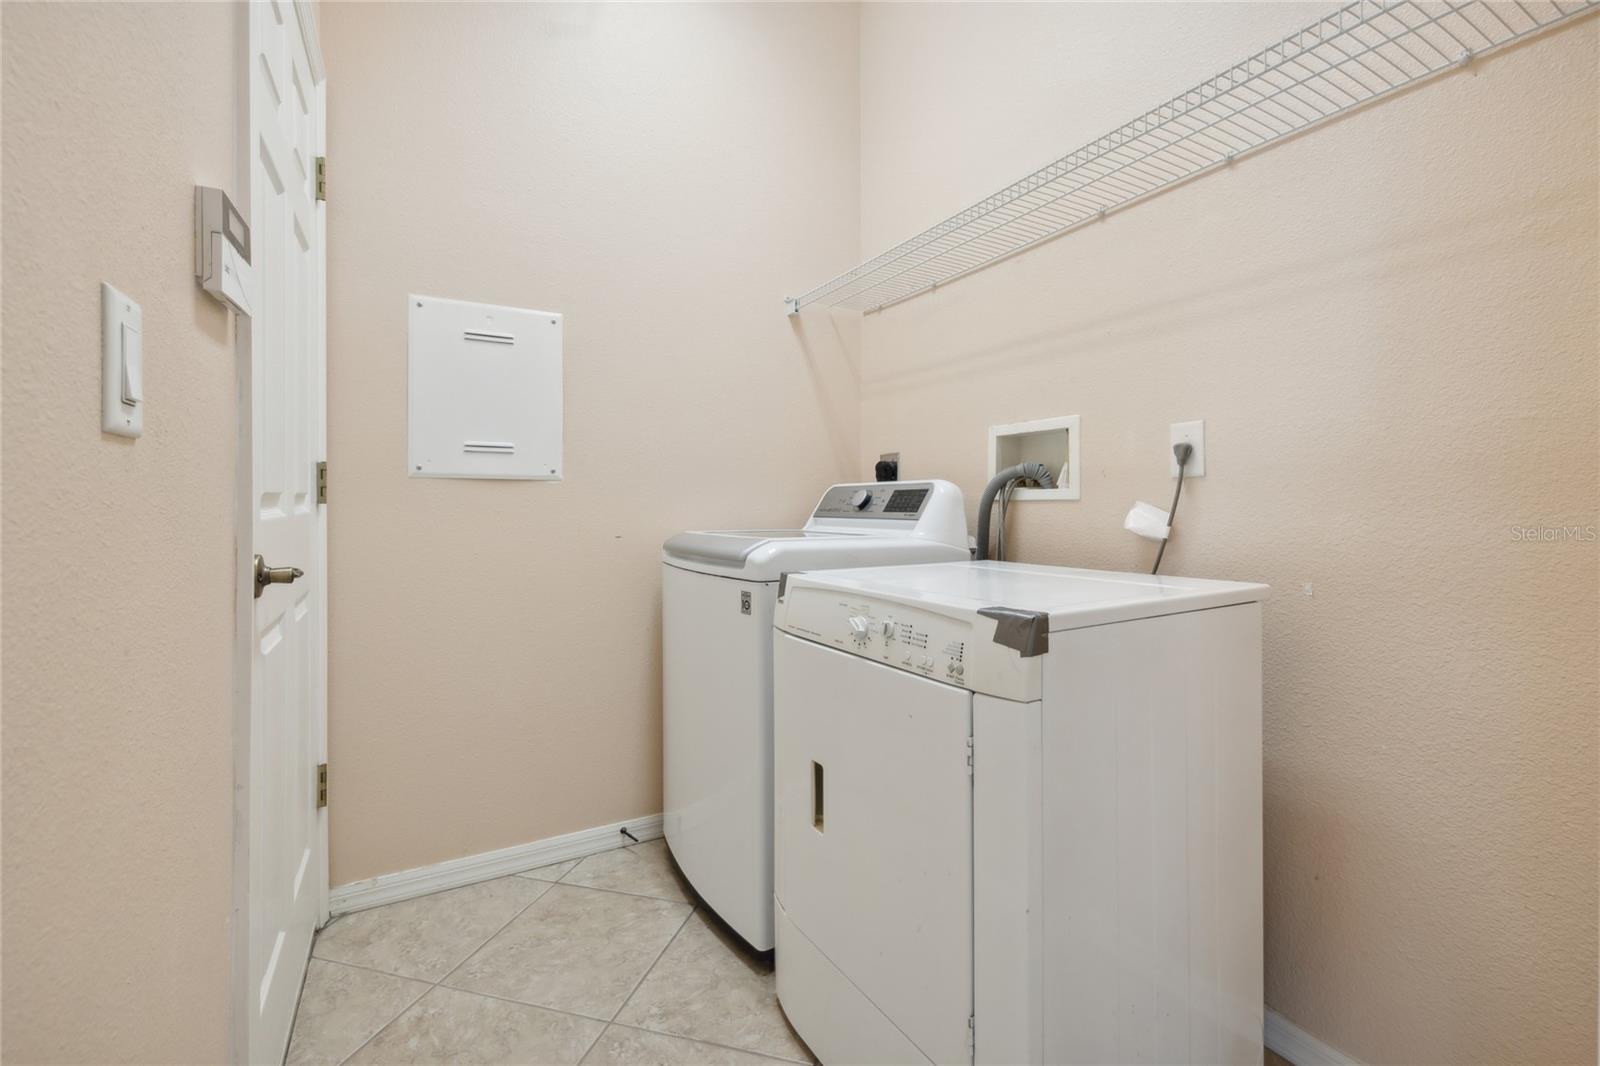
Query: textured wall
(118, 614)
(1389, 326)
(659, 174)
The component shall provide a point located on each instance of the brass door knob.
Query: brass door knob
(274, 575)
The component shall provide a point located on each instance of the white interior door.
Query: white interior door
(288, 684)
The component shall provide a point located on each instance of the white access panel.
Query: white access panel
(485, 390)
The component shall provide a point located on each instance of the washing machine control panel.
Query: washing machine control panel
(952, 649)
(895, 500)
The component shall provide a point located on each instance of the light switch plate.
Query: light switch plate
(121, 363)
(1193, 433)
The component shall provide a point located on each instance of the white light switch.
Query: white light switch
(121, 363)
(132, 392)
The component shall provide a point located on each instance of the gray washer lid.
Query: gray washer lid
(724, 549)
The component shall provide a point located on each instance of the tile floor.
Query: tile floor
(608, 959)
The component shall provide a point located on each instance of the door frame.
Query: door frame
(243, 535)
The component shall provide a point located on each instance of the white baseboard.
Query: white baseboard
(470, 869)
(1299, 1046)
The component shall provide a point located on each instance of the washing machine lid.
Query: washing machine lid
(866, 524)
(768, 554)
(729, 547)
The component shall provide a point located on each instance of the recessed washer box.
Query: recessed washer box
(1055, 442)
(485, 391)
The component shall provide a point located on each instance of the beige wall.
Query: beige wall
(1389, 327)
(659, 175)
(118, 608)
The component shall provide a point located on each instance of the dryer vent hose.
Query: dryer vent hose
(1036, 472)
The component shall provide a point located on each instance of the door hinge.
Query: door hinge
(972, 1035)
(322, 177)
(322, 482)
(322, 785)
(969, 756)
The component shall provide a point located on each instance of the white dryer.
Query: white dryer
(1018, 815)
(717, 597)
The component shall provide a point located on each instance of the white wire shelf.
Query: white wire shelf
(1357, 54)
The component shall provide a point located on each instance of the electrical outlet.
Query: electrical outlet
(1193, 434)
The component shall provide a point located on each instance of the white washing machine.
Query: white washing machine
(1018, 815)
(717, 596)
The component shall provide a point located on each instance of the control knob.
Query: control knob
(860, 499)
(887, 628)
(858, 627)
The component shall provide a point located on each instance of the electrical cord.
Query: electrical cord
(1180, 452)
(1000, 531)
(1000, 523)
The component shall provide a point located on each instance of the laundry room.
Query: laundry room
(800, 532)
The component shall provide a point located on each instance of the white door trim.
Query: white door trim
(243, 601)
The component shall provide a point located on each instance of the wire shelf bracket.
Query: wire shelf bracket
(1359, 53)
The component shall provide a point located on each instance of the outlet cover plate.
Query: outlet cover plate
(1193, 433)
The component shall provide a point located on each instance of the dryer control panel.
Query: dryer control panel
(954, 650)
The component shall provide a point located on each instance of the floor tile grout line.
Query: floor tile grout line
(299, 997)
(583, 859)
(593, 1043)
(613, 891)
(703, 1040)
(433, 984)
(524, 1003)
(541, 1006)
(386, 1024)
(485, 943)
(681, 1036)
(619, 891)
(648, 970)
(374, 969)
